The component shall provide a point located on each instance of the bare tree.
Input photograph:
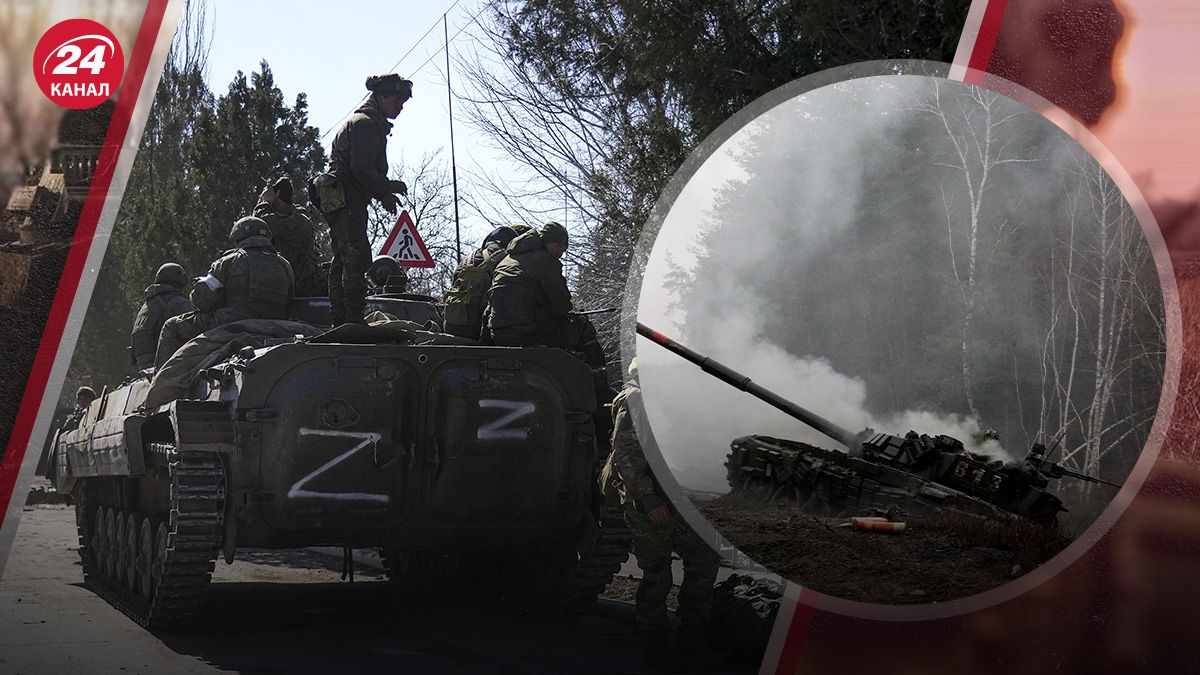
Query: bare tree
(585, 152)
(431, 206)
(974, 121)
(1102, 362)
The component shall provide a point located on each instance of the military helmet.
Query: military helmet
(382, 267)
(500, 236)
(553, 231)
(249, 227)
(390, 84)
(86, 391)
(171, 273)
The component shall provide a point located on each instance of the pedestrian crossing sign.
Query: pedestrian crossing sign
(405, 245)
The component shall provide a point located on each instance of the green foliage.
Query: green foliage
(250, 134)
(199, 168)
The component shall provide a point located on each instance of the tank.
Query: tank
(919, 474)
(435, 452)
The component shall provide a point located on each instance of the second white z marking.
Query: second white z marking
(500, 429)
(297, 490)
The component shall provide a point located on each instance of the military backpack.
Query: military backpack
(467, 298)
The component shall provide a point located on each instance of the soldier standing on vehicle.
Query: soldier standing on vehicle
(467, 297)
(358, 161)
(249, 282)
(293, 235)
(658, 529)
(164, 299)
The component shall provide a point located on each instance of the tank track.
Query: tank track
(597, 566)
(155, 568)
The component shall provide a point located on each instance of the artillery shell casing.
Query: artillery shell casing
(876, 525)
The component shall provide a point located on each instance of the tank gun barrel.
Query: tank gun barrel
(740, 381)
(1059, 471)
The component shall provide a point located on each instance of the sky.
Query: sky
(1157, 63)
(329, 54)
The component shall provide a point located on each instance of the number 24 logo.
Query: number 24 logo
(70, 53)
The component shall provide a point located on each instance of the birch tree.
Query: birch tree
(982, 141)
(1103, 358)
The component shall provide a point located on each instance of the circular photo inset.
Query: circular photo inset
(902, 340)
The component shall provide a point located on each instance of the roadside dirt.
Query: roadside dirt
(928, 562)
(289, 611)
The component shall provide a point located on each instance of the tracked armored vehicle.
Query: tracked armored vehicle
(918, 474)
(38, 222)
(423, 445)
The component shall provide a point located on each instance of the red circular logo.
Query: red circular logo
(78, 63)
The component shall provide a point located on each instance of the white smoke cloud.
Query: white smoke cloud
(695, 416)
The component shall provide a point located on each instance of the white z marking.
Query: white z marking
(496, 430)
(297, 491)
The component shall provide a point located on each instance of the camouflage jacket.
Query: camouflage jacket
(293, 236)
(358, 156)
(528, 287)
(254, 282)
(628, 471)
(162, 301)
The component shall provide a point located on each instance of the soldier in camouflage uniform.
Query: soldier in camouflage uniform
(1027, 470)
(529, 303)
(293, 236)
(84, 397)
(249, 282)
(658, 529)
(163, 300)
(358, 158)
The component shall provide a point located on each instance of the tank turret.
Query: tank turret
(920, 473)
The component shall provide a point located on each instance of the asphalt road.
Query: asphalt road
(284, 612)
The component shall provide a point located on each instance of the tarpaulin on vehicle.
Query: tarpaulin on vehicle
(182, 370)
(386, 329)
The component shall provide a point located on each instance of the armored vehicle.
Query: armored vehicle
(919, 474)
(429, 447)
(38, 222)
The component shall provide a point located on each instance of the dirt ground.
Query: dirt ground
(289, 611)
(928, 562)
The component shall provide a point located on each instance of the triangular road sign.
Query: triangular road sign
(405, 245)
